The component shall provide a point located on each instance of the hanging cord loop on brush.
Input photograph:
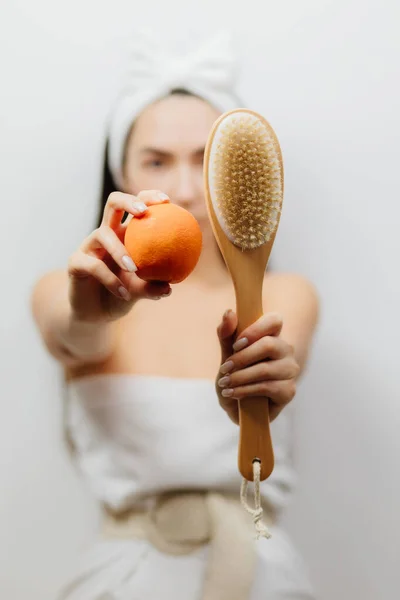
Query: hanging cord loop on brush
(257, 511)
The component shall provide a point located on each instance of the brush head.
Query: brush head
(245, 178)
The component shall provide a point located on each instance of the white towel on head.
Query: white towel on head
(154, 71)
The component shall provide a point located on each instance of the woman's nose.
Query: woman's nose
(185, 187)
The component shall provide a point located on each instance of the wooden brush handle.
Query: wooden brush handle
(255, 435)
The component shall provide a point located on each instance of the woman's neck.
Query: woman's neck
(211, 269)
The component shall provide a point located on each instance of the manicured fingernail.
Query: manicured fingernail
(123, 292)
(162, 197)
(156, 297)
(226, 367)
(227, 393)
(167, 294)
(240, 344)
(139, 207)
(224, 381)
(226, 314)
(130, 265)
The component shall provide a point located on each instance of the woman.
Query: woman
(152, 422)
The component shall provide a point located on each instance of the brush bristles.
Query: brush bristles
(247, 181)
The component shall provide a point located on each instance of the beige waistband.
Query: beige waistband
(180, 523)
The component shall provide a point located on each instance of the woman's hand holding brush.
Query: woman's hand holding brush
(258, 364)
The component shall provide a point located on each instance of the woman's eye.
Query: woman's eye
(155, 163)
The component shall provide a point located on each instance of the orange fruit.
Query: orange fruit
(165, 243)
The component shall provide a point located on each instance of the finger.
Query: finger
(117, 205)
(269, 324)
(151, 197)
(274, 411)
(226, 333)
(273, 348)
(105, 239)
(153, 290)
(279, 370)
(140, 289)
(83, 265)
(280, 392)
(148, 198)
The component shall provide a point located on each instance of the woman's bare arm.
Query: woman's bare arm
(296, 300)
(69, 340)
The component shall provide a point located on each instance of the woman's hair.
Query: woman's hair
(107, 185)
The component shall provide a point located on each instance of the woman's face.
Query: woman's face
(165, 151)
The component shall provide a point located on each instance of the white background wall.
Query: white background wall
(325, 73)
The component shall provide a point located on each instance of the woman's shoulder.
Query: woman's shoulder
(50, 280)
(286, 285)
(46, 287)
